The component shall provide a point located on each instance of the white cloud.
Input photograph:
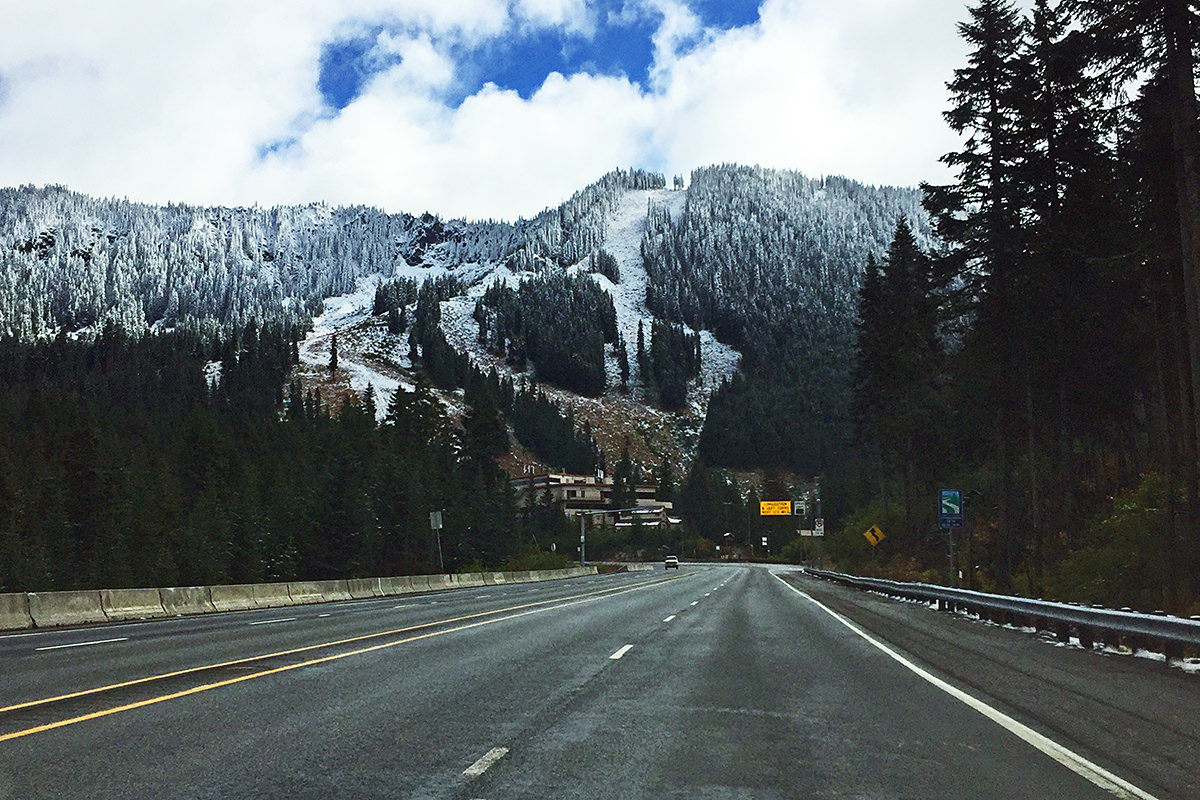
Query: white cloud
(173, 101)
(571, 15)
(841, 88)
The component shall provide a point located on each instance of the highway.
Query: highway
(713, 682)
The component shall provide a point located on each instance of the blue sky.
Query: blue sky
(619, 43)
(475, 108)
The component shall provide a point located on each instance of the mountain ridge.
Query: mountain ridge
(71, 263)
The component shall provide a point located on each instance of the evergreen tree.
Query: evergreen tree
(899, 369)
(979, 217)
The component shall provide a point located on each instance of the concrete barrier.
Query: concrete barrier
(396, 586)
(233, 597)
(363, 588)
(123, 604)
(335, 590)
(305, 592)
(440, 582)
(179, 600)
(50, 609)
(14, 612)
(271, 595)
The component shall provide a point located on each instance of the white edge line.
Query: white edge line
(80, 644)
(485, 762)
(1068, 758)
(273, 621)
(668, 619)
(621, 652)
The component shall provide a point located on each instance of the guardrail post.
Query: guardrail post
(1085, 637)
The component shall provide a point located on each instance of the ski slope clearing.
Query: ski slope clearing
(370, 356)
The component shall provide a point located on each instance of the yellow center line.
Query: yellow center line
(291, 652)
(531, 609)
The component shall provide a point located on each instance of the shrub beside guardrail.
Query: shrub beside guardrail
(1157, 632)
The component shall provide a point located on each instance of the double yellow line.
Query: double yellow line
(511, 612)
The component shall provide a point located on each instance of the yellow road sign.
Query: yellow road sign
(874, 535)
(775, 508)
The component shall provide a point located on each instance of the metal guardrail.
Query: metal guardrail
(1091, 624)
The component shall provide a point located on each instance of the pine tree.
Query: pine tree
(899, 368)
(980, 217)
(333, 354)
(623, 363)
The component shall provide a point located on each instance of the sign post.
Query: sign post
(950, 516)
(435, 522)
(582, 543)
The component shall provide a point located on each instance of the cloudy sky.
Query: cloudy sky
(471, 108)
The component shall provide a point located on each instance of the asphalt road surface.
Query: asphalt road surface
(713, 682)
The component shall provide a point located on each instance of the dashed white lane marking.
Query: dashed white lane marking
(273, 621)
(668, 619)
(483, 764)
(1068, 758)
(696, 603)
(322, 615)
(81, 644)
(621, 652)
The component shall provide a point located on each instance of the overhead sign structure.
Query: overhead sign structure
(874, 535)
(775, 508)
(950, 513)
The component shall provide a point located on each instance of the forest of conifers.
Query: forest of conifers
(123, 464)
(1045, 358)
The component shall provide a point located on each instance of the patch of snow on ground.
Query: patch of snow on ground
(347, 309)
(623, 241)
(349, 316)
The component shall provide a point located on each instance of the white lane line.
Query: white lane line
(1068, 758)
(273, 621)
(668, 619)
(621, 652)
(706, 594)
(406, 605)
(319, 616)
(81, 644)
(483, 764)
(696, 603)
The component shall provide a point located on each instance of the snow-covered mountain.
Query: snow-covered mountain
(735, 243)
